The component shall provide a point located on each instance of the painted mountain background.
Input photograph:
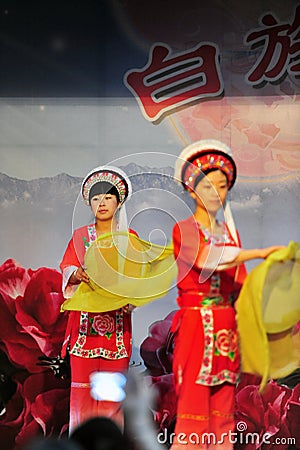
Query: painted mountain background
(37, 216)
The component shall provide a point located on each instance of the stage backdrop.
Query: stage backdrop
(130, 84)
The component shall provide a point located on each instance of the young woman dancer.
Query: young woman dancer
(97, 342)
(210, 273)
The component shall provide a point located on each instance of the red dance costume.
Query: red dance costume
(206, 362)
(96, 341)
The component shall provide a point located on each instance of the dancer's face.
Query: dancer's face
(210, 193)
(104, 206)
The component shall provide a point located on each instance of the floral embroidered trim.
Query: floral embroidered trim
(215, 283)
(92, 234)
(205, 377)
(208, 326)
(219, 378)
(97, 352)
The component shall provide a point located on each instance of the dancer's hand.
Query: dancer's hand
(265, 252)
(79, 275)
(128, 308)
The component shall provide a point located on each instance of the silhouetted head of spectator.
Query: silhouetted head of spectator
(100, 433)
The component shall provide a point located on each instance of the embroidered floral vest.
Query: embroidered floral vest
(100, 334)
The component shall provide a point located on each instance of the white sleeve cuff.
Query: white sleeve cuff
(68, 289)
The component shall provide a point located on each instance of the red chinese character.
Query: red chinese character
(168, 82)
(281, 51)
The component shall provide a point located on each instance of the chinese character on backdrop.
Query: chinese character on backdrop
(167, 82)
(280, 54)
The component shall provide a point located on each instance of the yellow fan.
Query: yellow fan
(123, 269)
(268, 308)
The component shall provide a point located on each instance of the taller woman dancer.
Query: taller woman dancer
(210, 273)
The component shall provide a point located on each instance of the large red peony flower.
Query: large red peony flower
(271, 415)
(292, 414)
(31, 327)
(39, 407)
(31, 322)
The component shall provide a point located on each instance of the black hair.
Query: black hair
(103, 187)
(205, 172)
